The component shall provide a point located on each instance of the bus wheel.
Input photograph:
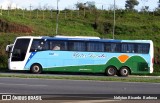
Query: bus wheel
(111, 71)
(36, 69)
(124, 71)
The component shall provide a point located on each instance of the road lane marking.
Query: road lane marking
(23, 84)
(7, 93)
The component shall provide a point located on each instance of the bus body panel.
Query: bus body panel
(87, 61)
(18, 65)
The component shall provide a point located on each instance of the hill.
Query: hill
(129, 25)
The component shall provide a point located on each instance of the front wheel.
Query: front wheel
(36, 69)
(124, 71)
(111, 71)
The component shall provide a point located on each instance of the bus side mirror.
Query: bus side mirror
(9, 48)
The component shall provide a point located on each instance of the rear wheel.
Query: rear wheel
(124, 71)
(111, 71)
(36, 69)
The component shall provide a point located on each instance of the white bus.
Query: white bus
(81, 54)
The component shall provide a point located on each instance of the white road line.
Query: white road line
(7, 93)
(22, 84)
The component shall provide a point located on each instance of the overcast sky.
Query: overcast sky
(70, 4)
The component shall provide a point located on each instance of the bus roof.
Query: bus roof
(84, 38)
(76, 37)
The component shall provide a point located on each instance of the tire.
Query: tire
(111, 71)
(36, 69)
(124, 71)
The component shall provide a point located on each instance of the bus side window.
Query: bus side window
(71, 46)
(56, 47)
(39, 45)
(34, 46)
(131, 48)
(76, 46)
(124, 48)
(143, 48)
(108, 47)
(42, 45)
(128, 48)
(115, 47)
(95, 47)
(45, 46)
(79, 46)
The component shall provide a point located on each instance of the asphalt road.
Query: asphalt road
(76, 90)
(44, 86)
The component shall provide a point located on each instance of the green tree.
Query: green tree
(91, 4)
(130, 4)
(81, 6)
(88, 5)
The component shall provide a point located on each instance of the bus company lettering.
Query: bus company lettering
(53, 54)
(97, 56)
(79, 55)
(90, 55)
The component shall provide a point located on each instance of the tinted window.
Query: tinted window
(58, 45)
(143, 48)
(76, 46)
(127, 48)
(112, 47)
(95, 47)
(39, 45)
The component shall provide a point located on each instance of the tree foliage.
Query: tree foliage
(91, 5)
(130, 4)
(88, 5)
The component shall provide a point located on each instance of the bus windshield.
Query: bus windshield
(20, 49)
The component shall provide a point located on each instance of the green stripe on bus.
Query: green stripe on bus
(136, 63)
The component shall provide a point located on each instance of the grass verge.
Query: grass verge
(149, 79)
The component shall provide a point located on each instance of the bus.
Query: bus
(81, 54)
